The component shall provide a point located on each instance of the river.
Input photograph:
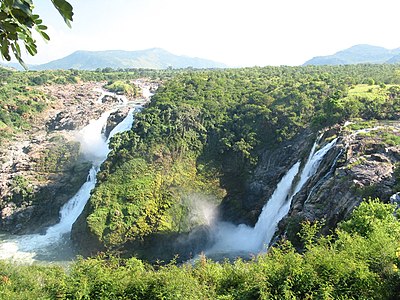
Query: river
(55, 245)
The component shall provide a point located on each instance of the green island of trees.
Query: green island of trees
(203, 127)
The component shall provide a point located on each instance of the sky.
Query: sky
(235, 32)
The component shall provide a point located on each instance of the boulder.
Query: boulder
(115, 118)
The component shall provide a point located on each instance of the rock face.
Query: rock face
(42, 168)
(115, 118)
(244, 203)
(362, 165)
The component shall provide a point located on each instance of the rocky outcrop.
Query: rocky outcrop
(362, 165)
(39, 184)
(42, 168)
(115, 118)
(244, 202)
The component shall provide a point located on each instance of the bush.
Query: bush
(361, 261)
(123, 88)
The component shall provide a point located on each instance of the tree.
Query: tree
(17, 21)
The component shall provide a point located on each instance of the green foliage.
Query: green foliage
(396, 175)
(17, 22)
(139, 198)
(391, 139)
(31, 282)
(238, 112)
(22, 189)
(22, 102)
(124, 88)
(360, 261)
(57, 157)
(223, 119)
(129, 204)
(201, 126)
(360, 124)
(18, 107)
(371, 216)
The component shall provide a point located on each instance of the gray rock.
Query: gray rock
(364, 169)
(395, 199)
(244, 202)
(115, 118)
(46, 184)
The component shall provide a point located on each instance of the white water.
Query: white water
(245, 240)
(121, 98)
(55, 243)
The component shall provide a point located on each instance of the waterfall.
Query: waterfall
(232, 240)
(55, 243)
(326, 176)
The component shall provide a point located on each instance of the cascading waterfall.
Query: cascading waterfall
(55, 243)
(326, 176)
(232, 240)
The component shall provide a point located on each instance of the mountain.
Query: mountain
(394, 60)
(13, 66)
(154, 58)
(358, 54)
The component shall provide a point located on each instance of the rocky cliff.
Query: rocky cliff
(244, 201)
(362, 165)
(42, 168)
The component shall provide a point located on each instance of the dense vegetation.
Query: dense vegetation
(202, 135)
(205, 130)
(21, 102)
(17, 23)
(18, 104)
(123, 88)
(360, 260)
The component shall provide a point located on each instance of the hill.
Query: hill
(154, 58)
(358, 54)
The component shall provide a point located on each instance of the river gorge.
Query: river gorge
(55, 244)
(290, 183)
(253, 183)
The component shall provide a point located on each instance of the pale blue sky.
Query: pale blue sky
(235, 32)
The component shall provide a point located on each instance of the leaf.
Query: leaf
(22, 35)
(16, 49)
(3, 16)
(44, 35)
(17, 22)
(42, 27)
(8, 3)
(9, 27)
(17, 53)
(65, 10)
(24, 6)
(31, 48)
(4, 48)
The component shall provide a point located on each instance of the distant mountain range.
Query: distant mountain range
(358, 54)
(154, 58)
(157, 58)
